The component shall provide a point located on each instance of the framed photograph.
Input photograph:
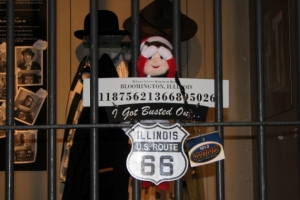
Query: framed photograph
(29, 65)
(277, 57)
(28, 105)
(25, 148)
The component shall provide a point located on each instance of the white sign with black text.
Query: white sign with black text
(157, 153)
(120, 91)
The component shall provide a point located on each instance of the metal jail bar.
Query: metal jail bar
(297, 24)
(52, 126)
(177, 55)
(220, 187)
(9, 167)
(260, 103)
(135, 7)
(94, 180)
(52, 101)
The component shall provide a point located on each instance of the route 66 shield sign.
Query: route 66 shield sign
(157, 153)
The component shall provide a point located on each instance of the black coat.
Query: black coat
(113, 152)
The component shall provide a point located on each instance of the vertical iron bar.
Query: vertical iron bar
(219, 92)
(261, 103)
(52, 100)
(10, 84)
(135, 36)
(176, 34)
(94, 177)
(177, 55)
(297, 11)
(135, 51)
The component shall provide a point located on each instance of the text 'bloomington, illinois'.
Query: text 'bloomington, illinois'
(153, 85)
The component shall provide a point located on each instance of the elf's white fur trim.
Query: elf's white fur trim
(157, 39)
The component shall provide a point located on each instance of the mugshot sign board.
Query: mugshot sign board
(157, 153)
(121, 91)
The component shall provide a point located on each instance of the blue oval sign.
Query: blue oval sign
(204, 153)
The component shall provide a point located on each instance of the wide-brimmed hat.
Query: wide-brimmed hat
(108, 24)
(156, 20)
(28, 50)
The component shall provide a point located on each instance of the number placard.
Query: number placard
(120, 91)
(157, 153)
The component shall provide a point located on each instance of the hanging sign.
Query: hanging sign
(156, 111)
(205, 149)
(120, 91)
(157, 153)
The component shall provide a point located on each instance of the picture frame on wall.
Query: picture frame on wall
(29, 66)
(30, 36)
(25, 148)
(28, 105)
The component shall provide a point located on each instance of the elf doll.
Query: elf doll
(156, 60)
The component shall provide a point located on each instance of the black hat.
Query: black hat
(28, 50)
(156, 20)
(108, 24)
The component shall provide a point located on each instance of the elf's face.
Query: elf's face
(156, 66)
